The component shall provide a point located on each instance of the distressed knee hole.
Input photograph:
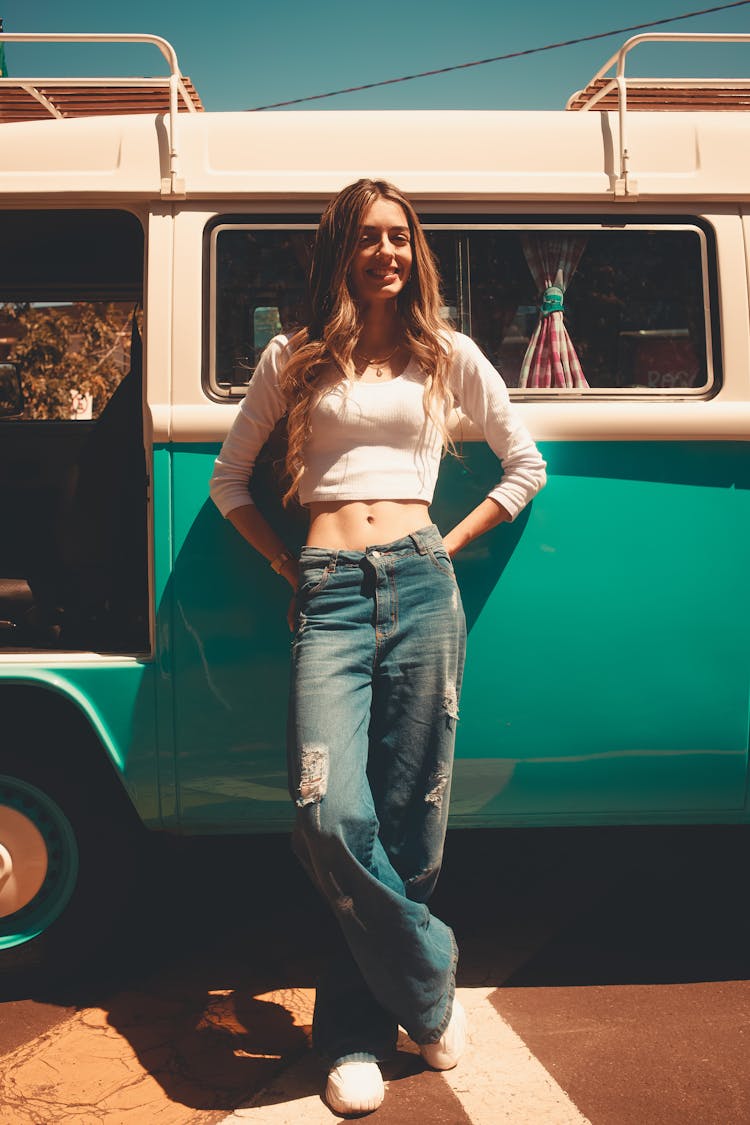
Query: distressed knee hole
(313, 780)
(438, 783)
(343, 904)
(428, 875)
(450, 701)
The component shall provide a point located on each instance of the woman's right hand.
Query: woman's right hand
(290, 571)
(291, 613)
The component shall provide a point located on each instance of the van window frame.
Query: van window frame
(213, 230)
(532, 223)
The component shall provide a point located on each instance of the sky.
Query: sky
(242, 54)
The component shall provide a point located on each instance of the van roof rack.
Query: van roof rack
(676, 94)
(33, 99)
(62, 97)
(611, 91)
(606, 91)
(29, 99)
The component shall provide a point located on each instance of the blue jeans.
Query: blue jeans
(377, 661)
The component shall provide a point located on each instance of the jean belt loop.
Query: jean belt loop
(416, 539)
(332, 562)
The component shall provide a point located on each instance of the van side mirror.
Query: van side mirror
(11, 391)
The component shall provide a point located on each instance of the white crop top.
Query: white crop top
(372, 441)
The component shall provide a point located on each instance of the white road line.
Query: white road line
(292, 1098)
(498, 1081)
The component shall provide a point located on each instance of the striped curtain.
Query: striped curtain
(551, 359)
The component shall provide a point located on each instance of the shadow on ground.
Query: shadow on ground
(209, 976)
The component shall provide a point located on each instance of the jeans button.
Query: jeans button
(374, 554)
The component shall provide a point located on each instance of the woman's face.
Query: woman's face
(382, 261)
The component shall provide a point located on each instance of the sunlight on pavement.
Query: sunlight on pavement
(497, 1081)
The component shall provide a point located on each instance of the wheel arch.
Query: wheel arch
(43, 701)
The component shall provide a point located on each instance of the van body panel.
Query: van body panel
(608, 669)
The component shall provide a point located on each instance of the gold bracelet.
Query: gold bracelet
(280, 561)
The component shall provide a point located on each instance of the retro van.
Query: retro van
(148, 252)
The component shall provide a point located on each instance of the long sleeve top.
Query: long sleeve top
(373, 441)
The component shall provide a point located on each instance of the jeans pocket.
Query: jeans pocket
(312, 579)
(442, 561)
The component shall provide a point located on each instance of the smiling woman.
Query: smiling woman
(379, 640)
(381, 266)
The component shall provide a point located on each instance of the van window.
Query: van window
(68, 285)
(259, 288)
(561, 310)
(73, 554)
(628, 305)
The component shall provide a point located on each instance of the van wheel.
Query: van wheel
(38, 862)
(66, 870)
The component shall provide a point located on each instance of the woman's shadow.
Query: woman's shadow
(210, 981)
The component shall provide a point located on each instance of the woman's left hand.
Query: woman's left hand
(486, 515)
(450, 548)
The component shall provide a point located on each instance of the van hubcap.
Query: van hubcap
(38, 861)
(23, 861)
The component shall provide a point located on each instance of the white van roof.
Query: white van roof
(300, 158)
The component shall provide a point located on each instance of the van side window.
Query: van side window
(73, 555)
(625, 307)
(68, 284)
(259, 283)
(563, 309)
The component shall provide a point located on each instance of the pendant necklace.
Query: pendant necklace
(378, 364)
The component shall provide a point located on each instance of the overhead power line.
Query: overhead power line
(500, 58)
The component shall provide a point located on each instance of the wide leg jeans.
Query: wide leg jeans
(377, 661)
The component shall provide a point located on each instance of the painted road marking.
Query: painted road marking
(498, 1081)
(293, 1097)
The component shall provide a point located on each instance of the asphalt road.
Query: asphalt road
(605, 971)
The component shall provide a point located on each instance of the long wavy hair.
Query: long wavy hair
(336, 318)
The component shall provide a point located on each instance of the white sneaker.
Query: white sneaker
(445, 1054)
(355, 1087)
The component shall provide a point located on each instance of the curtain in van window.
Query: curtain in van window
(551, 359)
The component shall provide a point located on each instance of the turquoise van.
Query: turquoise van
(599, 256)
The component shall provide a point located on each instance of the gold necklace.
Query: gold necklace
(378, 364)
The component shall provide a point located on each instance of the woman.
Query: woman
(378, 650)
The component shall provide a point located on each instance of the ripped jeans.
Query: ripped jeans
(377, 661)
